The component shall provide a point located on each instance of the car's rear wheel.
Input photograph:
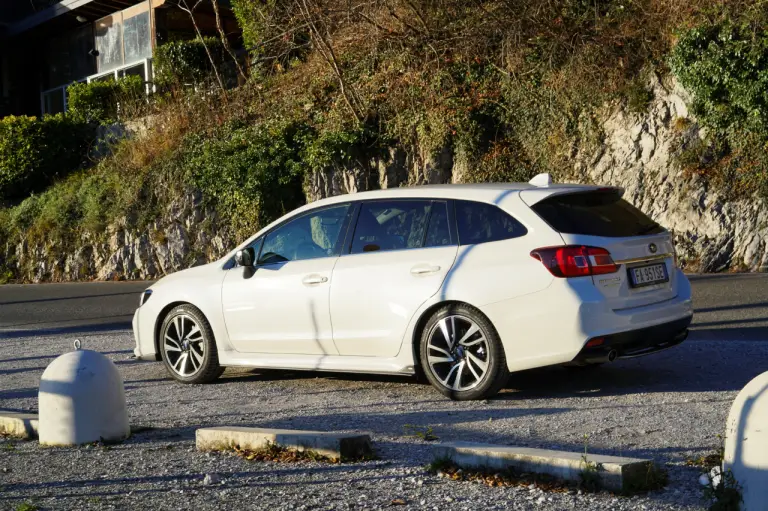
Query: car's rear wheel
(188, 347)
(461, 353)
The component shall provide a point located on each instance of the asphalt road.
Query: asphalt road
(39, 309)
(728, 307)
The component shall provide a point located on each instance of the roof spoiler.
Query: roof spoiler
(541, 180)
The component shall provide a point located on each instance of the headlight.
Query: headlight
(144, 297)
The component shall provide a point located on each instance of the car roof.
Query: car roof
(484, 192)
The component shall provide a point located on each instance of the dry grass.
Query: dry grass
(507, 478)
(279, 454)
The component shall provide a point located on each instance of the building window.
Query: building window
(123, 38)
(136, 38)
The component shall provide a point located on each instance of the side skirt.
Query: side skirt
(332, 363)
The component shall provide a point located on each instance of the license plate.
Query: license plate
(648, 275)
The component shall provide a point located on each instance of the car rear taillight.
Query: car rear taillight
(575, 261)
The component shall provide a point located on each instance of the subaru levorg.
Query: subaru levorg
(463, 283)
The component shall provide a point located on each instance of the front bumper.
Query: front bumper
(636, 343)
(136, 336)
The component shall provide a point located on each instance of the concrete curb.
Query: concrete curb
(337, 446)
(613, 472)
(18, 425)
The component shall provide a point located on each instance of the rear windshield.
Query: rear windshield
(595, 213)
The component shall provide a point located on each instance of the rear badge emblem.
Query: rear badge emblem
(610, 282)
(653, 248)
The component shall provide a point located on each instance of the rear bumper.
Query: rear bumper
(637, 343)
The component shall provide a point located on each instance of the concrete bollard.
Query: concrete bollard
(746, 442)
(82, 400)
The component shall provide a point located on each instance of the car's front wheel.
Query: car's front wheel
(461, 353)
(188, 347)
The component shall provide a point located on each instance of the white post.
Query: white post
(746, 442)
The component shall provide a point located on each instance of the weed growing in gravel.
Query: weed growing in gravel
(723, 493)
(26, 506)
(424, 432)
(711, 460)
(589, 477)
(706, 461)
(9, 445)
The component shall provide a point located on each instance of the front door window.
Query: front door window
(314, 235)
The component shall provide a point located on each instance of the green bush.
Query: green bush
(103, 102)
(254, 173)
(725, 67)
(33, 152)
(184, 63)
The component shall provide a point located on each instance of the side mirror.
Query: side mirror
(245, 257)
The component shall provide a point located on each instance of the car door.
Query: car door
(399, 255)
(281, 305)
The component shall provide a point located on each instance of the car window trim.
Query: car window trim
(296, 217)
(346, 249)
(451, 223)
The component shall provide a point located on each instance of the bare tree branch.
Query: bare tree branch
(224, 40)
(325, 48)
(184, 6)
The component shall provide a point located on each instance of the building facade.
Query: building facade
(47, 45)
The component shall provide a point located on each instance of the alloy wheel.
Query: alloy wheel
(457, 353)
(184, 345)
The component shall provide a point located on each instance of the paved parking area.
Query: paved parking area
(666, 407)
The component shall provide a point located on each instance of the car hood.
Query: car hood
(204, 270)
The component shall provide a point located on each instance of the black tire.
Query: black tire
(209, 369)
(496, 374)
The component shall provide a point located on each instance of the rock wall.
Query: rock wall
(185, 234)
(637, 152)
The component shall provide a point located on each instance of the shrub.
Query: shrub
(185, 63)
(33, 152)
(264, 24)
(103, 102)
(725, 67)
(254, 173)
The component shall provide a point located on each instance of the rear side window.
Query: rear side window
(595, 213)
(479, 222)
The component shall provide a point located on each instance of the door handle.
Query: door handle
(311, 280)
(424, 269)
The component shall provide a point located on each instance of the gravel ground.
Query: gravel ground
(666, 407)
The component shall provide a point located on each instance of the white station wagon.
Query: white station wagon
(463, 283)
